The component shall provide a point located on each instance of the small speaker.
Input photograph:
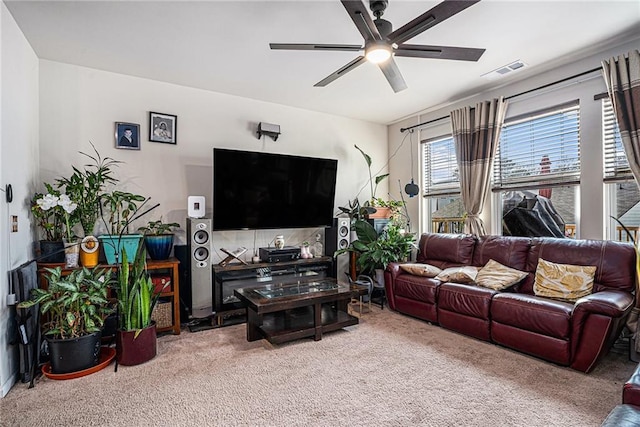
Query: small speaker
(337, 237)
(195, 206)
(199, 247)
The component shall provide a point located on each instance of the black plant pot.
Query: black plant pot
(51, 251)
(159, 246)
(74, 354)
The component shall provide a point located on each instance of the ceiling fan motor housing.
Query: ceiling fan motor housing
(384, 27)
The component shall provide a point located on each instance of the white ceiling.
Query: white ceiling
(223, 46)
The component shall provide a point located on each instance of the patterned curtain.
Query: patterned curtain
(622, 76)
(476, 133)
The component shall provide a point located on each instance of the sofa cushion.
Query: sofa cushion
(615, 261)
(497, 276)
(418, 269)
(468, 300)
(507, 250)
(563, 281)
(531, 313)
(418, 288)
(446, 250)
(463, 274)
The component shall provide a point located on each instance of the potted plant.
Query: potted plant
(75, 307)
(123, 208)
(375, 251)
(136, 335)
(378, 211)
(158, 238)
(49, 218)
(86, 187)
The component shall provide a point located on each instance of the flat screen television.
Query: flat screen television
(254, 190)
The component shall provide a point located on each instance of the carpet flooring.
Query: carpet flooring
(390, 370)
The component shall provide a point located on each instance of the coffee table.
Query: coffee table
(281, 313)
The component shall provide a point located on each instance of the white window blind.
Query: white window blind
(541, 148)
(616, 165)
(440, 168)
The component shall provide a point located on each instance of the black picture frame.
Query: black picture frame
(163, 128)
(125, 140)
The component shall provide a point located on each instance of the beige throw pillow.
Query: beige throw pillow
(498, 277)
(563, 281)
(464, 274)
(425, 270)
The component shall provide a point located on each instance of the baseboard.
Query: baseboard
(9, 383)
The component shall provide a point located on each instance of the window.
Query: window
(623, 193)
(537, 172)
(441, 184)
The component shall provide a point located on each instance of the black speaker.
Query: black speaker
(199, 246)
(184, 270)
(336, 237)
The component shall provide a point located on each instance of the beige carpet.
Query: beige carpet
(391, 370)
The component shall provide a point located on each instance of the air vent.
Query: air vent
(509, 68)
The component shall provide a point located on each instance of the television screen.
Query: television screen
(261, 190)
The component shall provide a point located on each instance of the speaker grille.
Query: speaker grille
(201, 254)
(201, 237)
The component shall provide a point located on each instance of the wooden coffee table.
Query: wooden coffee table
(281, 313)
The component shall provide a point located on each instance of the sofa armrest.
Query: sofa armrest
(394, 269)
(608, 303)
(631, 389)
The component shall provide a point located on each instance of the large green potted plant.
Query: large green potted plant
(123, 208)
(85, 187)
(136, 335)
(158, 238)
(376, 250)
(377, 211)
(74, 307)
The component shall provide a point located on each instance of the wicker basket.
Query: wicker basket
(163, 314)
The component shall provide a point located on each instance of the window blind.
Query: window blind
(440, 168)
(539, 149)
(616, 165)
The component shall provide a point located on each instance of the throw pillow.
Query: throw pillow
(464, 274)
(498, 277)
(426, 270)
(563, 281)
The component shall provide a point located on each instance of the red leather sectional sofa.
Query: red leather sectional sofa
(574, 335)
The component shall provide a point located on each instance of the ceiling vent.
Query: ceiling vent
(509, 68)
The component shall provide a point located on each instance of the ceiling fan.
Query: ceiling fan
(381, 43)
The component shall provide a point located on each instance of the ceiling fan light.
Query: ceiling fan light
(378, 53)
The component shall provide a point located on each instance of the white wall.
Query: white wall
(591, 211)
(19, 167)
(79, 104)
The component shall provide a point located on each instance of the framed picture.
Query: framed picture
(128, 136)
(163, 127)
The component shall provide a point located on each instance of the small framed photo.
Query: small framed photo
(163, 128)
(128, 136)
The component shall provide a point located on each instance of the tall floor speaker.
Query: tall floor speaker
(200, 248)
(338, 236)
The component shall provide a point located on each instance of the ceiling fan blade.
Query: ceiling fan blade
(392, 73)
(342, 71)
(439, 52)
(305, 46)
(432, 17)
(358, 13)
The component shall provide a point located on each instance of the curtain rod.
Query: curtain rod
(402, 130)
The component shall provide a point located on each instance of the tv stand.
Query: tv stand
(228, 309)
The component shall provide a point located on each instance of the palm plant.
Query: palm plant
(76, 304)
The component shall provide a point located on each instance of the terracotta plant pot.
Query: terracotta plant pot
(381, 213)
(134, 350)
